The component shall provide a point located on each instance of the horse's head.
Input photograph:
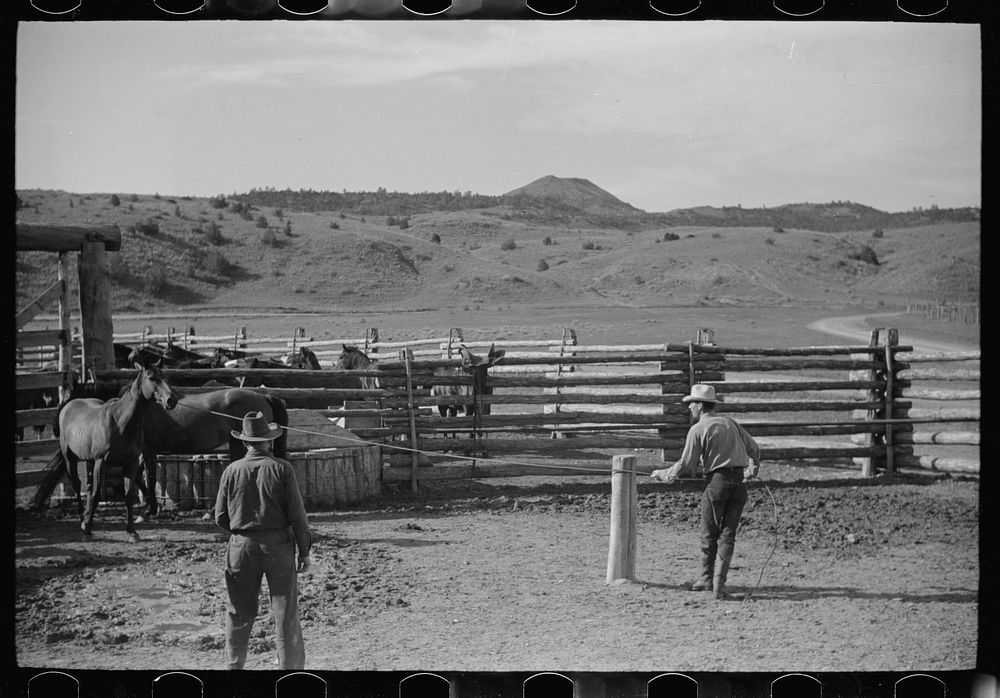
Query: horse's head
(152, 385)
(348, 358)
(308, 359)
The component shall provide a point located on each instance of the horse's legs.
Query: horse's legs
(71, 462)
(148, 461)
(131, 481)
(95, 469)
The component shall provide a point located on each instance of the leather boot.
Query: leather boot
(725, 557)
(704, 583)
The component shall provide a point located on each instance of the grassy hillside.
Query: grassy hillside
(172, 258)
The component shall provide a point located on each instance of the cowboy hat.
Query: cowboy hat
(256, 428)
(701, 393)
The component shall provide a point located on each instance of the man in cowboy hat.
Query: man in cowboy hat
(725, 453)
(259, 503)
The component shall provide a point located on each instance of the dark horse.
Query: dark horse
(201, 423)
(353, 359)
(109, 434)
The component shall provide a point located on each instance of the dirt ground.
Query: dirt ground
(509, 575)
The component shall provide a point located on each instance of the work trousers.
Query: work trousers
(722, 505)
(249, 558)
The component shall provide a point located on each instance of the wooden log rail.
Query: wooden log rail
(591, 383)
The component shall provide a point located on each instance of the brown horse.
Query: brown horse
(352, 358)
(200, 423)
(110, 434)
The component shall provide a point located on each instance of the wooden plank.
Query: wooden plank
(943, 374)
(40, 447)
(30, 478)
(41, 338)
(38, 305)
(943, 464)
(36, 381)
(45, 237)
(30, 418)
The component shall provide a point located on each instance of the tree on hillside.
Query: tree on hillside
(115, 201)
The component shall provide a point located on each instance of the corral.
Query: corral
(494, 564)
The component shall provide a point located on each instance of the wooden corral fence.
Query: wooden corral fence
(44, 361)
(967, 313)
(877, 406)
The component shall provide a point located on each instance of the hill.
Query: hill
(221, 253)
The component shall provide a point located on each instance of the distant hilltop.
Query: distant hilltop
(578, 202)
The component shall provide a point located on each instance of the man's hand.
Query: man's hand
(304, 563)
(663, 475)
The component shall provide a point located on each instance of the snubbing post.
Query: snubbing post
(621, 551)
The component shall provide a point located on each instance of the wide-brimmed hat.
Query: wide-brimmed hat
(256, 428)
(702, 393)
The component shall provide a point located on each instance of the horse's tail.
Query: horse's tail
(55, 420)
(280, 414)
(54, 471)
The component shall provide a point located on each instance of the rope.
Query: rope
(774, 547)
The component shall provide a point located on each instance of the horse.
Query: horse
(108, 434)
(34, 399)
(202, 422)
(453, 390)
(303, 358)
(353, 359)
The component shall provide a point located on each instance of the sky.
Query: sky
(662, 115)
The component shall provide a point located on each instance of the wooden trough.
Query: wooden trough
(327, 478)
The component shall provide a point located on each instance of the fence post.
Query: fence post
(371, 339)
(568, 339)
(407, 356)
(66, 346)
(891, 341)
(621, 551)
(868, 462)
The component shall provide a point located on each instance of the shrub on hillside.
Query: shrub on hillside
(115, 201)
(150, 227)
(435, 238)
(214, 262)
(118, 268)
(279, 213)
(878, 233)
(288, 228)
(508, 245)
(667, 237)
(218, 202)
(778, 229)
(334, 225)
(542, 265)
(547, 241)
(588, 245)
(213, 233)
(155, 281)
(269, 238)
(863, 253)
(262, 222)
(404, 223)
(134, 198)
